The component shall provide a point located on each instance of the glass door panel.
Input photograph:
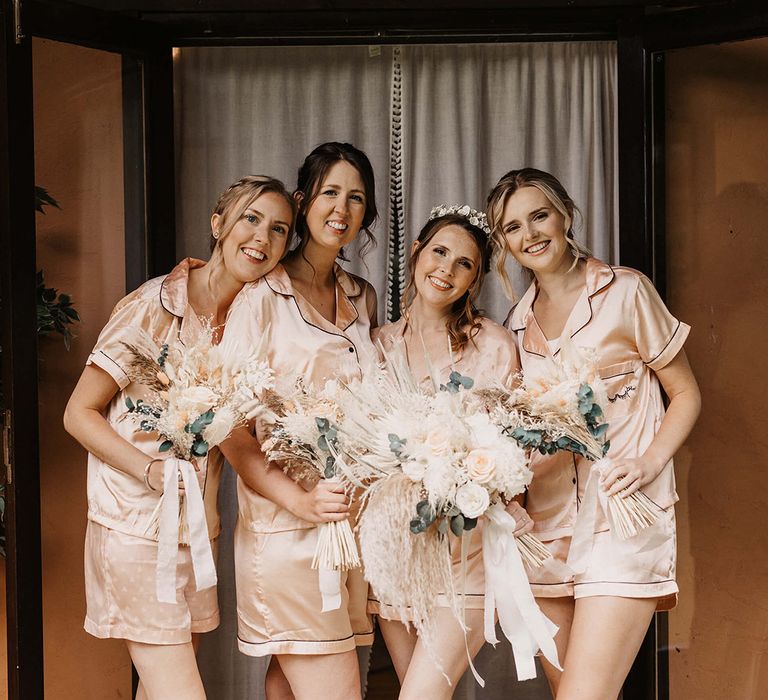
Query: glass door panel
(716, 248)
(80, 244)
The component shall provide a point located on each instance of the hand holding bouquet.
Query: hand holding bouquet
(195, 397)
(562, 410)
(304, 442)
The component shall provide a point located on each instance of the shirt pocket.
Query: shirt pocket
(621, 382)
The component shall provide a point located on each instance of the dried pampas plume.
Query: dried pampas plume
(144, 370)
(410, 571)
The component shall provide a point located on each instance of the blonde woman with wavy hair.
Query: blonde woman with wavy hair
(251, 226)
(604, 606)
(441, 326)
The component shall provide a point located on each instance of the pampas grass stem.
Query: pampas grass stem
(533, 552)
(336, 547)
(631, 514)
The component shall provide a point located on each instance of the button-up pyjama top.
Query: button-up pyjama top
(278, 594)
(121, 548)
(622, 317)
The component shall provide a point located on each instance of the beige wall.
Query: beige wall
(717, 257)
(79, 159)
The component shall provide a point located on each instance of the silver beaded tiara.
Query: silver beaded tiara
(476, 218)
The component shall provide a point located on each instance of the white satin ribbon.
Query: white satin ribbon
(583, 539)
(507, 591)
(168, 537)
(330, 588)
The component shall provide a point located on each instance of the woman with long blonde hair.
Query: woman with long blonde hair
(250, 228)
(604, 607)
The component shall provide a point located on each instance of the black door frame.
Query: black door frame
(150, 246)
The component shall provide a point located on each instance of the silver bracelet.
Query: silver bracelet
(146, 473)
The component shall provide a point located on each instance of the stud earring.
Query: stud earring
(216, 234)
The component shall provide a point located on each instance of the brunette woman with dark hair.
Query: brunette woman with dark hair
(317, 320)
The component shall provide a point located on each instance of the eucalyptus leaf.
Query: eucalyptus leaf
(417, 526)
(200, 448)
(425, 510)
(457, 524)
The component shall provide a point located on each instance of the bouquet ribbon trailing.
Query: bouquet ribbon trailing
(507, 591)
(330, 588)
(583, 539)
(168, 538)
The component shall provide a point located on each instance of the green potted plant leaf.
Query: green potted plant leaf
(55, 313)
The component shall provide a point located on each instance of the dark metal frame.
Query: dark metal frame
(19, 366)
(150, 189)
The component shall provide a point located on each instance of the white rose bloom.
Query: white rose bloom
(480, 465)
(472, 500)
(220, 427)
(486, 434)
(440, 440)
(414, 470)
(195, 401)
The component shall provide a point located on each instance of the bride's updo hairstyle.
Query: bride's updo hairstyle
(311, 175)
(463, 322)
(553, 190)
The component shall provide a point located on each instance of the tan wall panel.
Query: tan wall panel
(717, 258)
(79, 159)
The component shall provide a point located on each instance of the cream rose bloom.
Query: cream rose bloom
(481, 465)
(195, 401)
(414, 470)
(440, 440)
(472, 500)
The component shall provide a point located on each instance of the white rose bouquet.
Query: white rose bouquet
(562, 410)
(195, 397)
(433, 462)
(303, 441)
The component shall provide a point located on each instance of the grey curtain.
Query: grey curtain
(441, 124)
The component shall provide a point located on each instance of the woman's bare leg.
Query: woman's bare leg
(140, 692)
(167, 671)
(560, 611)
(322, 676)
(400, 642)
(424, 679)
(276, 684)
(606, 635)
